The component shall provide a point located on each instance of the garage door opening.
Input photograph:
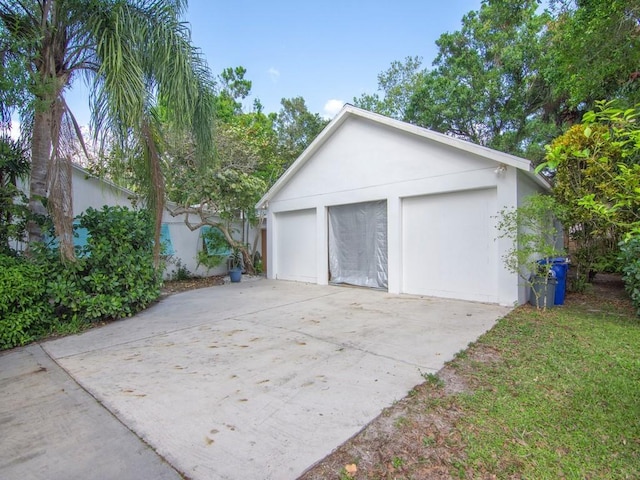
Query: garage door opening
(358, 244)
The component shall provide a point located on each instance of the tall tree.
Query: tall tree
(296, 128)
(486, 87)
(223, 193)
(594, 51)
(133, 53)
(14, 164)
(232, 89)
(397, 85)
(13, 82)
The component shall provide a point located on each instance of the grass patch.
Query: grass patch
(562, 402)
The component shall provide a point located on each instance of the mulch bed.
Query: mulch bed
(177, 286)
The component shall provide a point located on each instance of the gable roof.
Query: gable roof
(349, 111)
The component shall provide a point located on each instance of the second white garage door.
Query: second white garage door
(296, 246)
(449, 247)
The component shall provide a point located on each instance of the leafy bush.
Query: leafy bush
(25, 312)
(534, 235)
(598, 179)
(630, 258)
(180, 272)
(114, 275)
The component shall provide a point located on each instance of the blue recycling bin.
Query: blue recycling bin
(559, 266)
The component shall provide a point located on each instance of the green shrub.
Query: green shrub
(630, 259)
(181, 272)
(114, 275)
(25, 312)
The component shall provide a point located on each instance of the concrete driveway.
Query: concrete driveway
(252, 380)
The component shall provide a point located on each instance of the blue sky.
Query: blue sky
(322, 51)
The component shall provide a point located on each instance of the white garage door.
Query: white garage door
(295, 246)
(449, 247)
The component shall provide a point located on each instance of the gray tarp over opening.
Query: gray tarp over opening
(358, 244)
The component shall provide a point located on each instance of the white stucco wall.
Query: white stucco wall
(365, 161)
(89, 191)
(92, 192)
(187, 243)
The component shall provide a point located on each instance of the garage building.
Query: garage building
(379, 203)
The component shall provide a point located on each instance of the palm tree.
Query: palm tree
(134, 54)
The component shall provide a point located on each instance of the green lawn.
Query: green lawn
(562, 401)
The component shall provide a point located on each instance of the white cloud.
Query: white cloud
(274, 73)
(332, 107)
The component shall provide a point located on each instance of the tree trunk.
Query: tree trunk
(157, 181)
(248, 261)
(247, 255)
(243, 248)
(40, 157)
(60, 204)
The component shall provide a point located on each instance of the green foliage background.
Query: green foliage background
(25, 312)
(113, 277)
(630, 258)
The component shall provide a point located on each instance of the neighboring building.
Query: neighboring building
(181, 244)
(91, 191)
(381, 203)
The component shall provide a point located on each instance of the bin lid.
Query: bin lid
(550, 274)
(554, 261)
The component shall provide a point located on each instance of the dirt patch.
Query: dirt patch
(414, 437)
(609, 291)
(177, 286)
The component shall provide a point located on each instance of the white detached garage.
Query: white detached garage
(380, 203)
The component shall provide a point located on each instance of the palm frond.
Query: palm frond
(136, 55)
(59, 178)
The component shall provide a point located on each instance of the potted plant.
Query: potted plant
(535, 235)
(236, 265)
